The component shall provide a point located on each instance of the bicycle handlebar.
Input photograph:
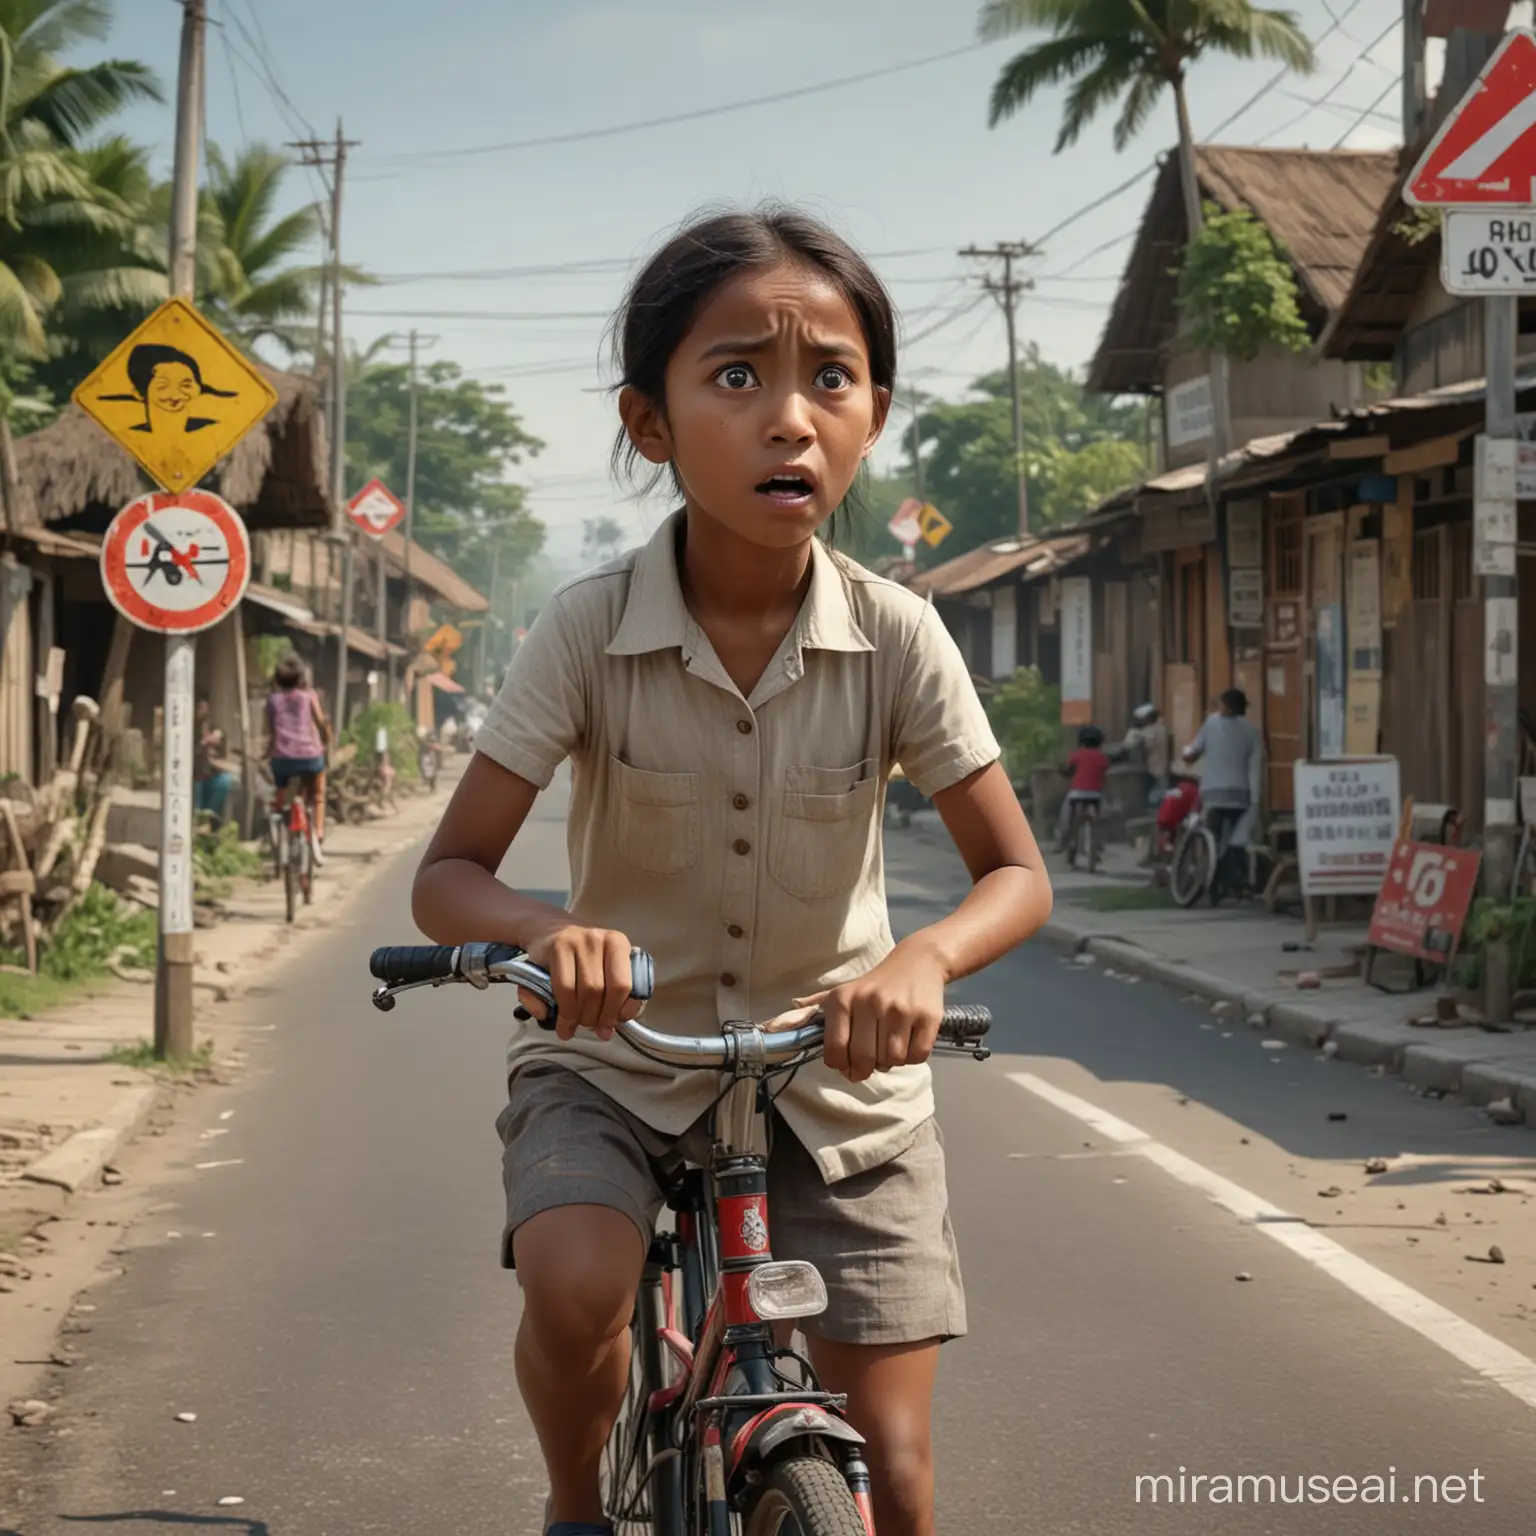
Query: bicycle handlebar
(403, 967)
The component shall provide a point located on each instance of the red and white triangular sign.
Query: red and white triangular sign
(1484, 155)
(376, 509)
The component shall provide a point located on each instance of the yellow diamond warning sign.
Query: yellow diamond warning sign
(933, 525)
(176, 395)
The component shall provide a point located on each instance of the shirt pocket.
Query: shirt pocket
(653, 818)
(821, 845)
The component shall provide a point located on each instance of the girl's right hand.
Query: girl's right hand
(590, 970)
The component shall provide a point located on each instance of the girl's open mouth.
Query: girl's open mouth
(786, 490)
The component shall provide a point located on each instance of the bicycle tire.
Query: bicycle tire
(1094, 850)
(1194, 866)
(805, 1496)
(626, 1495)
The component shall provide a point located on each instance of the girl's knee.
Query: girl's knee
(579, 1268)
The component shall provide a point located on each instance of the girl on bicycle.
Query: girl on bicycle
(732, 697)
(297, 736)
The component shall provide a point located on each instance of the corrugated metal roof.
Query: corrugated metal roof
(981, 567)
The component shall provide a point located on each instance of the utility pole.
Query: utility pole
(324, 154)
(173, 972)
(1415, 70)
(1007, 292)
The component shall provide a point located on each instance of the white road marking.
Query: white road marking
(1480, 1351)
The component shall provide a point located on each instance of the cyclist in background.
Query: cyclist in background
(297, 735)
(1149, 735)
(1088, 768)
(1229, 787)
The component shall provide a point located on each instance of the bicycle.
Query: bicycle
(1193, 865)
(715, 1437)
(1082, 839)
(292, 836)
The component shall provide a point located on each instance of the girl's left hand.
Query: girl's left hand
(889, 1017)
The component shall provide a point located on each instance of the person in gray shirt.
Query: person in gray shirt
(1230, 786)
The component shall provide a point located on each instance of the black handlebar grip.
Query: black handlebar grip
(964, 1023)
(414, 962)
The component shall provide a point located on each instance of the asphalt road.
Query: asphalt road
(343, 1332)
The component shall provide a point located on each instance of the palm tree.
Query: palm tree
(1128, 51)
(245, 280)
(51, 212)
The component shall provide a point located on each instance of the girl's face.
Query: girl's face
(172, 388)
(770, 406)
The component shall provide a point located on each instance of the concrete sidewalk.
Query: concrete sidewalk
(67, 1104)
(1238, 958)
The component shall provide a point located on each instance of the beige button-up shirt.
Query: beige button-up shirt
(738, 839)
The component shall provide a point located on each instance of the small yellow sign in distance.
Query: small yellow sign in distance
(934, 526)
(176, 395)
(444, 642)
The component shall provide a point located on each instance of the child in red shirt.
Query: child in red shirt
(1089, 768)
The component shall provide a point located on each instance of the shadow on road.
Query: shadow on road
(233, 1523)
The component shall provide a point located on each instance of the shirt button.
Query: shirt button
(742, 846)
(741, 802)
(727, 980)
(744, 726)
(736, 931)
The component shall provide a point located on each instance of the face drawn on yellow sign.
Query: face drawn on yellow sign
(933, 525)
(176, 395)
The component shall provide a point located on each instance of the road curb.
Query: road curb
(1368, 1043)
(82, 1157)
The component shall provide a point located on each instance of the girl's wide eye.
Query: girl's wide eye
(736, 376)
(834, 376)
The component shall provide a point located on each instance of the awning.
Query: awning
(444, 684)
(357, 640)
(284, 604)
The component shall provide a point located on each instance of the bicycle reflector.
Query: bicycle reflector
(790, 1288)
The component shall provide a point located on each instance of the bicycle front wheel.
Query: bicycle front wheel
(1194, 866)
(806, 1496)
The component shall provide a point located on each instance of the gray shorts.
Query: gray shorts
(882, 1239)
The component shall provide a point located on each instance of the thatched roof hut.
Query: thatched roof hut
(1321, 205)
(75, 476)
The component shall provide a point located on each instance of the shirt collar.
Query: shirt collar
(657, 619)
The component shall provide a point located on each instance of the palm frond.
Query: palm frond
(1002, 18)
(53, 26)
(113, 288)
(73, 102)
(1046, 64)
(1097, 88)
(295, 232)
(1246, 31)
(20, 329)
(1139, 102)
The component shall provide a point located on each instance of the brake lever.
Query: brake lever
(384, 995)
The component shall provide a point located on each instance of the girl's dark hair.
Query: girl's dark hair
(674, 285)
(148, 356)
(289, 673)
(1090, 736)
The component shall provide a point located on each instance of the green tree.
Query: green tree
(1129, 52)
(601, 539)
(57, 225)
(468, 438)
(1237, 289)
(1078, 448)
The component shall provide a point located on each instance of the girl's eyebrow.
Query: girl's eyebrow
(738, 348)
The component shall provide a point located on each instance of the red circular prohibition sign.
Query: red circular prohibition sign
(176, 562)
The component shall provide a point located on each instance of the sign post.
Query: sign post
(1484, 158)
(178, 397)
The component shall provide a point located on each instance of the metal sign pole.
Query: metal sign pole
(173, 975)
(1495, 514)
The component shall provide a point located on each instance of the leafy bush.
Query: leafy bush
(98, 928)
(401, 725)
(1490, 921)
(219, 857)
(1026, 718)
(1237, 289)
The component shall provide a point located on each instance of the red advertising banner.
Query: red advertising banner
(1424, 900)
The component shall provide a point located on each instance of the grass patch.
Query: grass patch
(1130, 898)
(219, 858)
(100, 928)
(141, 1056)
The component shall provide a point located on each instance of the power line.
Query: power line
(1339, 84)
(584, 134)
(1392, 85)
(234, 79)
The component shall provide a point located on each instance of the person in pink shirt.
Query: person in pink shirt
(297, 736)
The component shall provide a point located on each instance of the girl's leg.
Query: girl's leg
(317, 803)
(890, 1403)
(579, 1266)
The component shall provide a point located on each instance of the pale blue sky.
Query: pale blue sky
(904, 164)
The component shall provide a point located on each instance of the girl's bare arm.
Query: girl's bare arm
(457, 899)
